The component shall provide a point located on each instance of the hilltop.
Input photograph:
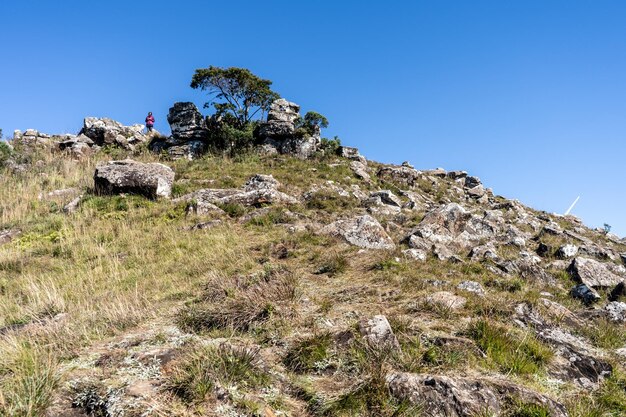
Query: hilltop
(144, 275)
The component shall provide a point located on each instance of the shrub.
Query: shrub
(5, 151)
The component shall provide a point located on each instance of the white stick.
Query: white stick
(572, 206)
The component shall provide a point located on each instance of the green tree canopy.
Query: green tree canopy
(235, 92)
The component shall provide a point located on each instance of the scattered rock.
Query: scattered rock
(105, 131)
(567, 251)
(586, 294)
(259, 190)
(278, 134)
(362, 231)
(151, 180)
(616, 311)
(7, 235)
(360, 170)
(387, 197)
(73, 205)
(377, 333)
(399, 175)
(415, 254)
(472, 286)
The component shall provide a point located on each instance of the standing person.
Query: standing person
(150, 122)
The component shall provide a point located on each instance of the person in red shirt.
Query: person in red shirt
(150, 121)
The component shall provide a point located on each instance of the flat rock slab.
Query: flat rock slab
(362, 231)
(151, 180)
(443, 396)
(447, 300)
(593, 273)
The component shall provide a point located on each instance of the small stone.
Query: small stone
(377, 333)
(616, 311)
(472, 286)
(415, 254)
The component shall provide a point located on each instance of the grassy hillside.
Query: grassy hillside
(254, 314)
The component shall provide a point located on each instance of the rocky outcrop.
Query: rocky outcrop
(104, 131)
(444, 396)
(352, 154)
(362, 231)
(151, 180)
(279, 134)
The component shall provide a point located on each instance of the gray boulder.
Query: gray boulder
(258, 190)
(472, 286)
(363, 231)
(351, 153)
(151, 180)
(399, 175)
(567, 251)
(593, 274)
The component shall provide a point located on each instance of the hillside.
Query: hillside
(293, 283)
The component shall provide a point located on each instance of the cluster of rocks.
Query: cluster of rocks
(95, 133)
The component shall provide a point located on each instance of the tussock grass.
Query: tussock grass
(242, 306)
(310, 354)
(511, 352)
(205, 368)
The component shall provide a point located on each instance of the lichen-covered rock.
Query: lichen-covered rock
(186, 122)
(351, 153)
(616, 311)
(567, 251)
(360, 170)
(378, 334)
(472, 286)
(444, 396)
(151, 180)
(363, 231)
(593, 274)
(415, 254)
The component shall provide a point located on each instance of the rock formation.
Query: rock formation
(279, 135)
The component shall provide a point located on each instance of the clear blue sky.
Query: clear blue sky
(528, 95)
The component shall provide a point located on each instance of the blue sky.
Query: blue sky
(528, 95)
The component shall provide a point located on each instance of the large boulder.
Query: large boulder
(105, 131)
(593, 274)
(362, 231)
(399, 175)
(151, 180)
